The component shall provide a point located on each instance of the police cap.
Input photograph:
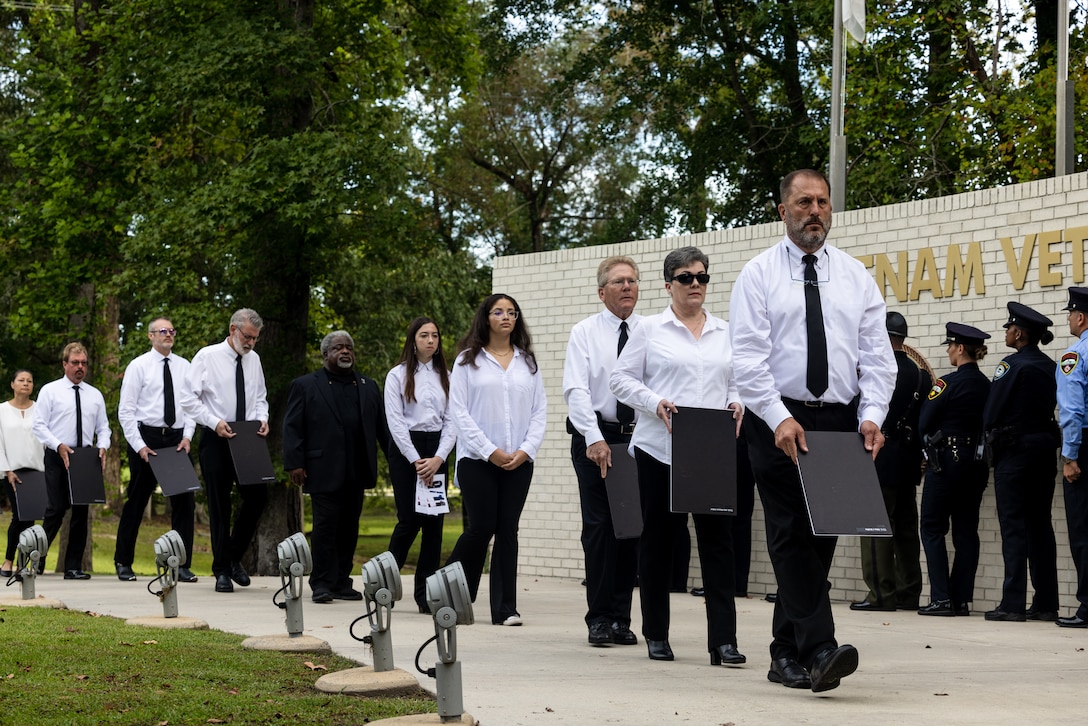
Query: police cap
(896, 324)
(1027, 318)
(963, 334)
(1078, 299)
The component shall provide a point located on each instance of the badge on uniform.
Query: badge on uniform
(1069, 362)
(1002, 369)
(938, 388)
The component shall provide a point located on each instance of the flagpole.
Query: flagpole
(837, 165)
(1063, 142)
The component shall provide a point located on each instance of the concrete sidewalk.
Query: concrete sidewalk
(913, 669)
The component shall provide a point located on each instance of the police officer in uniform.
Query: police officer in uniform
(1073, 411)
(1023, 436)
(951, 429)
(890, 566)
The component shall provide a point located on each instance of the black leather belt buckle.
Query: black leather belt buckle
(626, 429)
(814, 404)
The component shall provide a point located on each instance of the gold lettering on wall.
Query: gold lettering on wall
(1018, 267)
(1077, 236)
(886, 275)
(1049, 258)
(964, 271)
(926, 275)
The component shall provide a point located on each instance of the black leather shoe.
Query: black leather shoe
(962, 610)
(870, 607)
(239, 574)
(1074, 622)
(698, 591)
(124, 572)
(659, 649)
(600, 633)
(727, 654)
(223, 583)
(7, 573)
(771, 597)
(1004, 616)
(186, 575)
(941, 608)
(76, 575)
(622, 635)
(789, 673)
(831, 666)
(322, 596)
(349, 594)
(1046, 616)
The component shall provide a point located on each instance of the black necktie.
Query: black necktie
(79, 418)
(168, 416)
(814, 325)
(624, 413)
(239, 391)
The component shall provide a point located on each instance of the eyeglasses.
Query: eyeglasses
(686, 278)
(166, 331)
(249, 338)
(500, 314)
(621, 281)
(78, 363)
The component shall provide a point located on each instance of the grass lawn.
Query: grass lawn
(66, 667)
(375, 527)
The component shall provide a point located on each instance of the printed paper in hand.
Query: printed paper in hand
(432, 499)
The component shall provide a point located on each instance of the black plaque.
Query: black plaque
(252, 462)
(174, 471)
(704, 461)
(31, 497)
(85, 483)
(841, 488)
(621, 485)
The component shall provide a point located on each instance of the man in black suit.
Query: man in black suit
(334, 422)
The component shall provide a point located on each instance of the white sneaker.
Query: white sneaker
(514, 619)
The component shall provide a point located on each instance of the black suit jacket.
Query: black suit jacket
(314, 437)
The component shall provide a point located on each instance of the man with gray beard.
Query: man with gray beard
(334, 423)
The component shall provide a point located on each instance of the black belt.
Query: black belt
(160, 430)
(814, 404)
(614, 427)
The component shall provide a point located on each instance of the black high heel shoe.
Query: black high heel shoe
(727, 654)
(659, 649)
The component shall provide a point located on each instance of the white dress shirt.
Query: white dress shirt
(591, 356)
(429, 412)
(208, 395)
(767, 309)
(494, 408)
(55, 417)
(143, 397)
(19, 449)
(664, 361)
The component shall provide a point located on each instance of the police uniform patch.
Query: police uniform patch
(938, 388)
(1002, 369)
(1069, 362)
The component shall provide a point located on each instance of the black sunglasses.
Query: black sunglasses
(686, 278)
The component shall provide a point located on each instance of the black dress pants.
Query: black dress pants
(714, 538)
(17, 526)
(1024, 480)
(493, 499)
(802, 625)
(141, 486)
(611, 564)
(409, 521)
(228, 544)
(953, 497)
(335, 536)
(56, 484)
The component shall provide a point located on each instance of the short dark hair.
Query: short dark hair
(683, 257)
(787, 181)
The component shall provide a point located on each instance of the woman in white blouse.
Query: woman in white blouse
(679, 357)
(417, 412)
(498, 406)
(18, 450)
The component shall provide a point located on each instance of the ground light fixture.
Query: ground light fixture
(33, 544)
(169, 554)
(381, 589)
(295, 563)
(451, 605)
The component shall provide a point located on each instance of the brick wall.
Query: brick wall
(958, 258)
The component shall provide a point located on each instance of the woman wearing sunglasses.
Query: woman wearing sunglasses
(679, 357)
(498, 406)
